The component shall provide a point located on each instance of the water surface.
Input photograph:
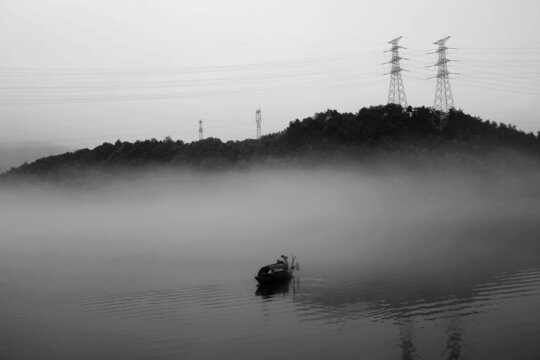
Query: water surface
(391, 267)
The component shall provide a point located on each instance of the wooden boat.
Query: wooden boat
(278, 272)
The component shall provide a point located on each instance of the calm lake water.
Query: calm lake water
(389, 269)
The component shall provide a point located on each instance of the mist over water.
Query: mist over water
(394, 265)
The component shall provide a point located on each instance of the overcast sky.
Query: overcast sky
(78, 73)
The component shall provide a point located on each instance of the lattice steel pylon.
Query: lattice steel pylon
(258, 119)
(396, 91)
(444, 100)
(201, 136)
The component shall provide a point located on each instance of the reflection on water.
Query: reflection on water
(268, 291)
(330, 315)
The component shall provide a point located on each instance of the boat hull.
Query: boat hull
(271, 279)
(274, 273)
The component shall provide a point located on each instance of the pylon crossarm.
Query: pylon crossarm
(442, 62)
(442, 41)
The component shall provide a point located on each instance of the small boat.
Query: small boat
(278, 272)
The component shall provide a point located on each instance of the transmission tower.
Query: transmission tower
(396, 92)
(201, 136)
(258, 119)
(444, 100)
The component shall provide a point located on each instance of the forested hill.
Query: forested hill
(373, 134)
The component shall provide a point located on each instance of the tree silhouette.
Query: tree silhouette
(376, 133)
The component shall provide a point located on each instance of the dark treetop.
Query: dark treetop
(407, 136)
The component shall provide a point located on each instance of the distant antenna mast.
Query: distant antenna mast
(201, 136)
(444, 100)
(396, 92)
(258, 119)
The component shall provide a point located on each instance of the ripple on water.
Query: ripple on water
(163, 303)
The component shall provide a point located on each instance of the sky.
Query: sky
(78, 73)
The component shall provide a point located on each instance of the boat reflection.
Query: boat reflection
(270, 290)
(267, 291)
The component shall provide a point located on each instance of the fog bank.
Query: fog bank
(240, 220)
